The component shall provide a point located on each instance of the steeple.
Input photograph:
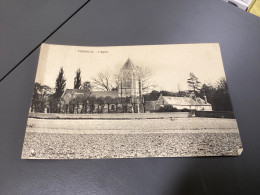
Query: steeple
(128, 65)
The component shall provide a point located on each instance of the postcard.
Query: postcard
(130, 102)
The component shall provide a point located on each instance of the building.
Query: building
(129, 81)
(126, 98)
(180, 103)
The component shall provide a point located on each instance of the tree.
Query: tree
(217, 95)
(44, 92)
(104, 81)
(92, 101)
(72, 105)
(208, 91)
(144, 74)
(60, 84)
(40, 97)
(194, 84)
(116, 101)
(168, 108)
(134, 101)
(100, 101)
(86, 86)
(53, 103)
(152, 96)
(124, 102)
(222, 101)
(85, 105)
(35, 97)
(78, 100)
(108, 101)
(77, 79)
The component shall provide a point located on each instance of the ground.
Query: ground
(129, 135)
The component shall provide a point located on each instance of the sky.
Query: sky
(170, 64)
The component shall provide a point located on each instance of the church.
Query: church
(127, 97)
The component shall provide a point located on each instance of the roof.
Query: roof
(73, 93)
(113, 94)
(128, 65)
(184, 101)
(201, 101)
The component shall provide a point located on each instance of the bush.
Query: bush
(168, 108)
(185, 110)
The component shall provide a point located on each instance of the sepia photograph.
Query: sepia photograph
(141, 101)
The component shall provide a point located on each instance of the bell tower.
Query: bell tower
(129, 83)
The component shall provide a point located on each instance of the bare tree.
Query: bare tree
(108, 81)
(144, 74)
(104, 81)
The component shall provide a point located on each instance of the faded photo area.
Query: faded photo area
(130, 102)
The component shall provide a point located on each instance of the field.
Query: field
(134, 135)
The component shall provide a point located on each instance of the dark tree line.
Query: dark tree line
(217, 96)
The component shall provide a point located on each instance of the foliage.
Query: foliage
(40, 97)
(53, 104)
(194, 83)
(184, 110)
(116, 101)
(100, 102)
(86, 86)
(72, 105)
(85, 105)
(154, 95)
(77, 79)
(217, 96)
(108, 100)
(92, 101)
(168, 108)
(60, 84)
(222, 101)
(207, 91)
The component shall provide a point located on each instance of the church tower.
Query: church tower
(129, 82)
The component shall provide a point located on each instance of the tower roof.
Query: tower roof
(128, 65)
